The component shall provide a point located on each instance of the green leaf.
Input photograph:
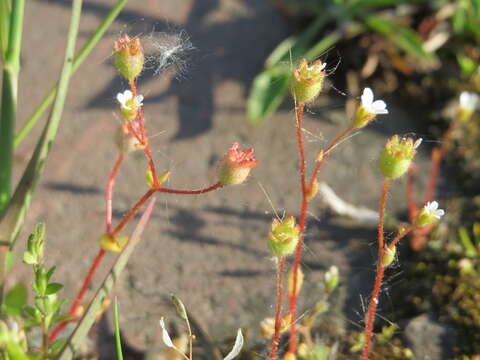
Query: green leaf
(30, 311)
(294, 47)
(469, 247)
(50, 272)
(16, 299)
(405, 38)
(267, 92)
(118, 342)
(29, 258)
(103, 292)
(53, 288)
(15, 351)
(467, 65)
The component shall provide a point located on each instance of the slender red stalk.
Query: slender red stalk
(132, 212)
(301, 147)
(379, 277)
(399, 237)
(190, 192)
(303, 212)
(325, 153)
(108, 195)
(76, 303)
(278, 312)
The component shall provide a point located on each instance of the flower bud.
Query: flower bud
(300, 278)
(283, 238)
(429, 214)
(126, 142)
(307, 81)
(331, 279)
(397, 156)
(128, 57)
(389, 256)
(312, 191)
(181, 311)
(267, 326)
(235, 166)
(109, 243)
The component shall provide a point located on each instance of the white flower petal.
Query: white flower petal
(379, 107)
(237, 347)
(165, 337)
(434, 205)
(367, 98)
(439, 213)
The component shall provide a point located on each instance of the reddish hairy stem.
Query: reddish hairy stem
(379, 277)
(149, 193)
(301, 147)
(190, 192)
(399, 237)
(76, 303)
(278, 312)
(108, 196)
(296, 265)
(329, 148)
(132, 212)
(303, 212)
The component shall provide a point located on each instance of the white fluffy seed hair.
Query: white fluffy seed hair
(165, 50)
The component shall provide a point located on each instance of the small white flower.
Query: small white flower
(469, 101)
(128, 101)
(431, 209)
(374, 107)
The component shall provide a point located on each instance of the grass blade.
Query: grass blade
(4, 27)
(88, 318)
(15, 213)
(8, 106)
(77, 61)
(118, 341)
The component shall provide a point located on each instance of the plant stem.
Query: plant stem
(78, 299)
(379, 277)
(14, 215)
(303, 212)
(8, 106)
(278, 312)
(108, 196)
(399, 237)
(190, 192)
(132, 212)
(77, 61)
